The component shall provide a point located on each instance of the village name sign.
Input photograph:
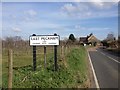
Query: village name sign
(44, 40)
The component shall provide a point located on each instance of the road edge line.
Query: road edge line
(93, 71)
(109, 57)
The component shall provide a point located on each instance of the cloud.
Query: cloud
(15, 29)
(58, 0)
(78, 27)
(89, 9)
(103, 5)
(69, 7)
(29, 15)
(31, 12)
(94, 0)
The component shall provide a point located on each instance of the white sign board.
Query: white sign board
(44, 40)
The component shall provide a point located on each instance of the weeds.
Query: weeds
(72, 76)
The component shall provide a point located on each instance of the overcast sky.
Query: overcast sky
(46, 18)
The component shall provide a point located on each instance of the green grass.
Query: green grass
(77, 64)
(72, 76)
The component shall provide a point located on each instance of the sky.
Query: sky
(64, 18)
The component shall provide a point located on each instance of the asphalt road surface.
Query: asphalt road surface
(106, 68)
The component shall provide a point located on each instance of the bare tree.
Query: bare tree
(110, 37)
(9, 42)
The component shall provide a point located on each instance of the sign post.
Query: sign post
(34, 56)
(44, 40)
(55, 55)
(45, 56)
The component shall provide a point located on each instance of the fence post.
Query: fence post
(34, 56)
(55, 55)
(10, 68)
(63, 51)
(45, 56)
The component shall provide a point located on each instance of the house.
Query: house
(89, 40)
(83, 40)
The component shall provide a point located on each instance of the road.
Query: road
(106, 68)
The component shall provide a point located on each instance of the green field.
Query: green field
(72, 69)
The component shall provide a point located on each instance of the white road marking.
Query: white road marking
(95, 78)
(113, 59)
(110, 57)
(103, 53)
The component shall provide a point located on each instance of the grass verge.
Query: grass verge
(72, 76)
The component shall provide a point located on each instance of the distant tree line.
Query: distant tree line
(18, 43)
(15, 42)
